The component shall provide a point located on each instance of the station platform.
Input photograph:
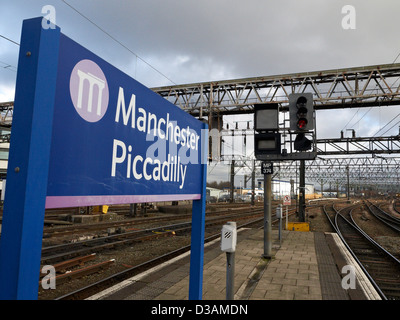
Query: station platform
(304, 266)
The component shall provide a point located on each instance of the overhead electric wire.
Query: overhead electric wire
(386, 126)
(8, 66)
(8, 39)
(117, 41)
(394, 61)
(390, 120)
(391, 126)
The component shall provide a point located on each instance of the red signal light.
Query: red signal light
(302, 123)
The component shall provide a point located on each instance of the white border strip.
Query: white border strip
(363, 280)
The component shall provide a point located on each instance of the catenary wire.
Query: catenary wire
(116, 40)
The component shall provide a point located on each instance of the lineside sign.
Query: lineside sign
(84, 133)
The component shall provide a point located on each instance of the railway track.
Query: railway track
(396, 205)
(381, 267)
(91, 289)
(56, 253)
(330, 212)
(53, 255)
(386, 218)
(126, 223)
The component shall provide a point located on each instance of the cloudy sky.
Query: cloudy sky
(162, 42)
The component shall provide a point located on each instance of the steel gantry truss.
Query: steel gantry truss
(378, 173)
(338, 88)
(6, 113)
(337, 146)
(369, 86)
(371, 171)
(339, 161)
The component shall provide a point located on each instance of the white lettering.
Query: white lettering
(115, 158)
(162, 162)
(220, 309)
(183, 137)
(171, 170)
(135, 174)
(141, 121)
(169, 125)
(179, 311)
(154, 117)
(131, 108)
(146, 176)
(147, 122)
(160, 132)
(165, 177)
(183, 173)
(177, 134)
(157, 170)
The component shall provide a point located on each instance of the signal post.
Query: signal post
(301, 144)
(301, 110)
(267, 142)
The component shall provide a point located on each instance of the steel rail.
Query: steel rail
(381, 267)
(396, 206)
(384, 217)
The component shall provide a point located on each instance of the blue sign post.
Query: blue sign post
(84, 133)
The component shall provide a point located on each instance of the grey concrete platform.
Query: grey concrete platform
(304, 266)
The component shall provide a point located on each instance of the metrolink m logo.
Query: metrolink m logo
(93, 80)
(89, 90)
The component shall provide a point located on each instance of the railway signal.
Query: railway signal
(301, 109)
(267, 139)
(301, 112)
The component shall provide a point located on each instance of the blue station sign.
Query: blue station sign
(85, 133)
(116, 141)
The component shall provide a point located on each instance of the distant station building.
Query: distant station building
(213, 194)
(280, 188)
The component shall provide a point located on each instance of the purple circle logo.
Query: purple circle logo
(89, 90)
